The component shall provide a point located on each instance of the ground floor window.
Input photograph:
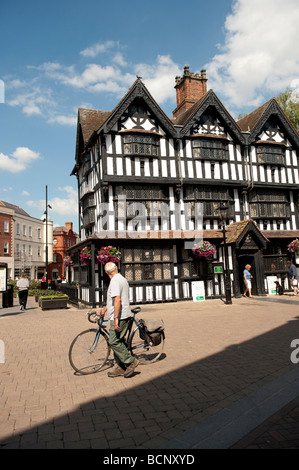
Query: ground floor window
(147, 263)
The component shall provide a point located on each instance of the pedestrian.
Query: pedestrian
(23, 286)
(293, 276)
(119, 313)
(247, 280)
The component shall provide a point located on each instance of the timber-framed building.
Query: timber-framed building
(142, 177)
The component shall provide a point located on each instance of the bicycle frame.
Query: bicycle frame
(101, 327)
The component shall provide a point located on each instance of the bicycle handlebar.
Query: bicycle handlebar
(93, 317)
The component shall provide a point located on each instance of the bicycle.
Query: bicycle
(90, 349)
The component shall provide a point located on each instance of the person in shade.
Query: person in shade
(293, 276)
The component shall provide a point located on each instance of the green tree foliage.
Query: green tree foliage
(289, 101)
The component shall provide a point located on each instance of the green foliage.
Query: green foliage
(289, 101)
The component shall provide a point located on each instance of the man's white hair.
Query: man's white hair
(110, 267)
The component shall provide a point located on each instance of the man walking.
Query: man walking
(119, 313)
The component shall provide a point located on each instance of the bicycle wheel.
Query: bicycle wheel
(142, 350)
(89, 351)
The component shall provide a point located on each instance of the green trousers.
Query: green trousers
(122, 356)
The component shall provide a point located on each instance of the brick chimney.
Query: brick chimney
(189, 89)
(69, 226)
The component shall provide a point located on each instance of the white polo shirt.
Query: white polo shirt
(118, 286)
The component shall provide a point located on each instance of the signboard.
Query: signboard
(218, 269)
(271, 285)
(2, 279)
(198, 291)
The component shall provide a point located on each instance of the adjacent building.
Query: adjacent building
(7, 238)
(27, 245)
(63, 239)
(152, 185)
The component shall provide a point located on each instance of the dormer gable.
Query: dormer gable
(269, 123)
(139, 111)
(208, 116)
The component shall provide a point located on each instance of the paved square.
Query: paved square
(215, 354)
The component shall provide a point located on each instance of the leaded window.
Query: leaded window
(147, 263)
(269, 204)
(209, 199)
(142, 199)
(141, 144)
(208, 149)
(270, 155)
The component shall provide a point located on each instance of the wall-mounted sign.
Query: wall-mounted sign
(218, 269)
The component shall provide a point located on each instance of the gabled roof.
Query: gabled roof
(255, 121)
(138, 90)
(91, 120)
(248, 122)
(188, 118)
(237, 231)
(88, 122)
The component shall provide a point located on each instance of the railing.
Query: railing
(71, 291)
(275, 263)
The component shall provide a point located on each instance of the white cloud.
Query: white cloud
(6, 190)
(98, 48)
(19, 160)
(64, 120)
(67, 205)
(119, 60)
(159, 77)
(43, 95)
(25, 193)
(35, 102)
(260, 53)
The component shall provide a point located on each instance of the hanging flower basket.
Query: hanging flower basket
(68, 261)
(293, 247)
(204, 249)
(108, 254)
(85, 256)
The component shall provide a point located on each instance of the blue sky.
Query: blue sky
(60, 55)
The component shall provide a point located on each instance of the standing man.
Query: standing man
(293, 276)
(119, 313)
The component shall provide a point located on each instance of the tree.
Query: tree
(289, 101)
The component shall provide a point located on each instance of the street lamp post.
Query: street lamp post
(227, 284)
(46, 213)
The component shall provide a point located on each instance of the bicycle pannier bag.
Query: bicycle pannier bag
(154, 329)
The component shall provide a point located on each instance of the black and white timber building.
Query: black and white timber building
(150, 185)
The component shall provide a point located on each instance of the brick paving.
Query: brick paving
(280, 431)
(215, 355)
